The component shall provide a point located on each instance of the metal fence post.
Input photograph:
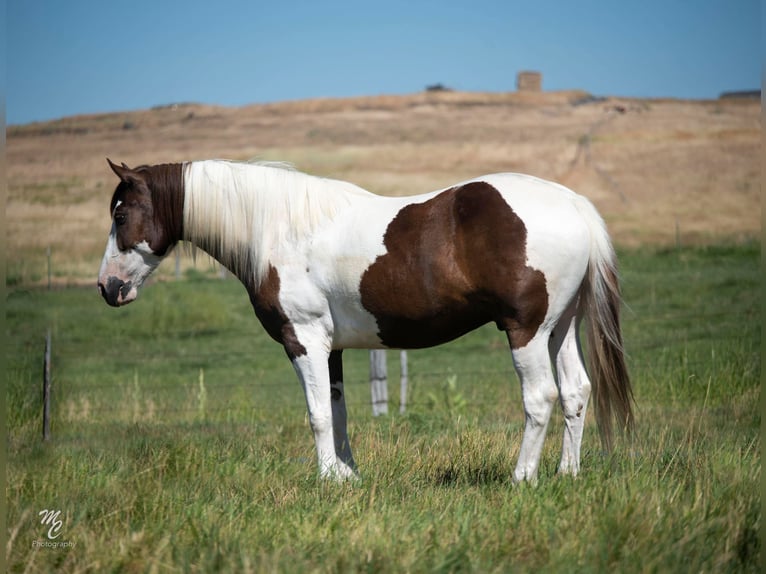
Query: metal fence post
(403, 381)
(47, 388)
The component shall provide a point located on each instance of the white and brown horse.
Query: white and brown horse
(329, 266)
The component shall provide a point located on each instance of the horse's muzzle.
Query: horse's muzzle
(116, 291)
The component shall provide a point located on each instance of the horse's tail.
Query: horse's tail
(600, 302)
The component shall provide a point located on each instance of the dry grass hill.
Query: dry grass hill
(659, 170)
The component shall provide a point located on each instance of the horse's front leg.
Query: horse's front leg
(313, 372)
(343, 454)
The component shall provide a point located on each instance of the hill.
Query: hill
(658, 170)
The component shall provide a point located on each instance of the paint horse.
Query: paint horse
(329, 266)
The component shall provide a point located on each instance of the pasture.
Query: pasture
(180, 441)
(179, 435)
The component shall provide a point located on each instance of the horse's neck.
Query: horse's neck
(242, 215)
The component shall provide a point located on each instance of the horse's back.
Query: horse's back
(541, 204)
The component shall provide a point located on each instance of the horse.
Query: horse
(329, 266)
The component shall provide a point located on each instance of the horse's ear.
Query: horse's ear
(123, 172)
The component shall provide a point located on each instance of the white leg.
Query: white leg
(539, 393)
(343, 456)
(574, 390)
(315, 379)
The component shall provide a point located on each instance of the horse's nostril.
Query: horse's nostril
(125, 289)
(112, 290)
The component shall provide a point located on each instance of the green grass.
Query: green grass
(180, 441)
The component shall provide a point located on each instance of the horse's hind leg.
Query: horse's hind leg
(338, 398)
(574, 387)
(538, 393)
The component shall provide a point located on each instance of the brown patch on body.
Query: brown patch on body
(454, 263)
(265, 301)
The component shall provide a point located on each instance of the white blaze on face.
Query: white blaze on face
(129, 268)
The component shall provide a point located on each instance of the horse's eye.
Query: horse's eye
(120, 218)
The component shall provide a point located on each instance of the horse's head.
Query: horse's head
(144, 210)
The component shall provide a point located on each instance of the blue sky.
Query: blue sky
(84, 56)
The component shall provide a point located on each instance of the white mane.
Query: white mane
(243, 213)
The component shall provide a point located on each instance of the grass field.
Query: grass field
(180, 441)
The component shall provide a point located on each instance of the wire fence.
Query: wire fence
(651, 330)
(158, 399)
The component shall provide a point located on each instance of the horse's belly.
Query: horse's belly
(355, 327)
(394, 328)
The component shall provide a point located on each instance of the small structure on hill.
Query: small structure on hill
(741, 95)
(529, 81)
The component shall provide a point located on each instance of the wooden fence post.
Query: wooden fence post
(403, 381)
(379, 382)
(47, 388)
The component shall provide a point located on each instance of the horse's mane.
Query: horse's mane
(242, 213)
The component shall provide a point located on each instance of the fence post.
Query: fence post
(378, 382)
(47, 388)
(48, 256)
(403, 381)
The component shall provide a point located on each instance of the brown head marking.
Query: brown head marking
(148, 205)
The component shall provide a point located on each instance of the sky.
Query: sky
(90, 56)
